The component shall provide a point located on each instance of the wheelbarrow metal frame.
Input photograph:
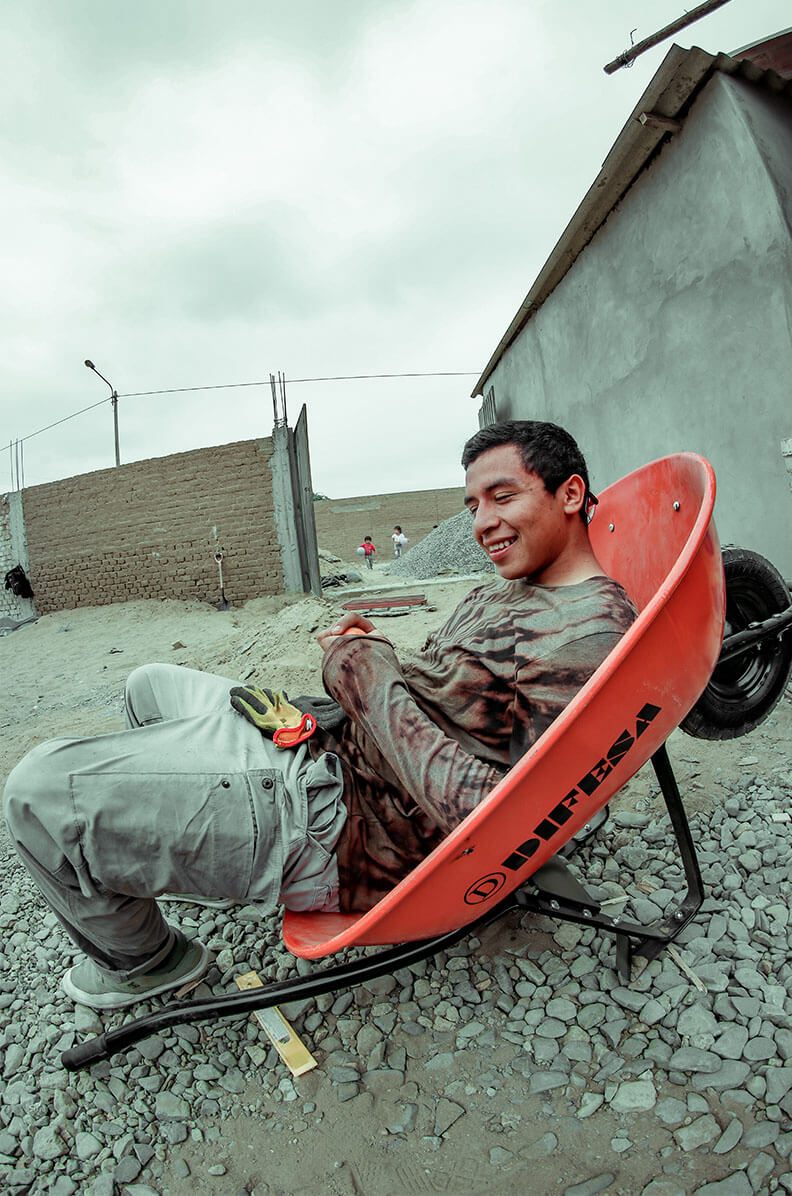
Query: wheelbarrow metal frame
(773, 627)
(552, 891)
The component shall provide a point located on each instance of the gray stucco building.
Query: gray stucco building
(663, 318)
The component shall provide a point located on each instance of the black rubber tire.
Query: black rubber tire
(742, 691)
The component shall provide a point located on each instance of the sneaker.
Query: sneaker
(88, 985)
(197, 899)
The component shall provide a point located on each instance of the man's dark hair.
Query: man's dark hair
(545, 449)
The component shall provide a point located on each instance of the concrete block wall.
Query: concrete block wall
(150, 529)
(342, 523)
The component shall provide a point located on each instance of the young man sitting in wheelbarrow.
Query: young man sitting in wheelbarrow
(196, 798)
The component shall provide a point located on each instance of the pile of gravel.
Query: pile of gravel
(449, 548)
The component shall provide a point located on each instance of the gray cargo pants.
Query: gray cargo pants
(191, 798)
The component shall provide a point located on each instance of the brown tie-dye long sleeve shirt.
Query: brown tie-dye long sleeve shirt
(428, 736)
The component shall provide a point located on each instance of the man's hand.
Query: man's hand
(350, 623)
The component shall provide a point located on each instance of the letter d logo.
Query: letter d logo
(484, 888)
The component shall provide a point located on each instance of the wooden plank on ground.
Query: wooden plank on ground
(292, 1050)
(373, 603)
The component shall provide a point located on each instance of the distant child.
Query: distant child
(368, 550)
(400, 541)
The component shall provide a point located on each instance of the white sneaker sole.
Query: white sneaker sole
(197, 899)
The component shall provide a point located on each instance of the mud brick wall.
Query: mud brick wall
(342, 523)
(150, 530)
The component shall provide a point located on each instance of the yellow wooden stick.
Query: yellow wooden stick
(291, 1049)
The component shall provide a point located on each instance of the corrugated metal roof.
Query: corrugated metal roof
(771, 54)
(681, 76)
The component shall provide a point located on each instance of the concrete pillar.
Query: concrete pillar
(14, 551)
(786, 453)
(285, 514)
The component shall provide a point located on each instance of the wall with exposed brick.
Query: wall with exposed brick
(13, 552)
(8, 601)
(150, 530)
(342, 523)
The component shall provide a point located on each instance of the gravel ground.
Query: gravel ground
(516, 1061)
(529, 1034)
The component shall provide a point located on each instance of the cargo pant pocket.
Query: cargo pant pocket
(168, 832)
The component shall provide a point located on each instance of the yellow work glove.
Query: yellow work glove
(272, 714)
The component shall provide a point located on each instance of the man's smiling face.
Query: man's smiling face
(525, 530)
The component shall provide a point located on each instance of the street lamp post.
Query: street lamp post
(114, 401)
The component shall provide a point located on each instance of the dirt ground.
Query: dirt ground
(64, 674)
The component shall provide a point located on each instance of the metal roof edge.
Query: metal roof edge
(670, 93)
(765, 41)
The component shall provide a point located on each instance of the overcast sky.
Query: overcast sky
(201, 192)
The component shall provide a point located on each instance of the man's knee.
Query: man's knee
(35, 784)
(141, 693)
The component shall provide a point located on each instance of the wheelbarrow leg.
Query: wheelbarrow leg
(624, 956)
(694, 896)
(554, 891)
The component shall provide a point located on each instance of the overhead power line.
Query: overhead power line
(73, 415)
(137, 394)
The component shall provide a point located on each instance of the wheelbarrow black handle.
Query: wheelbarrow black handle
(740, 641)
(324, 980)
(85, 1053)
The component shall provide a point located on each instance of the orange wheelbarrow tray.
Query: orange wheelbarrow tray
(653, 531)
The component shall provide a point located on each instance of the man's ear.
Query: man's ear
(573, 494)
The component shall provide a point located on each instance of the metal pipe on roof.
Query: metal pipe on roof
(695, 14)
